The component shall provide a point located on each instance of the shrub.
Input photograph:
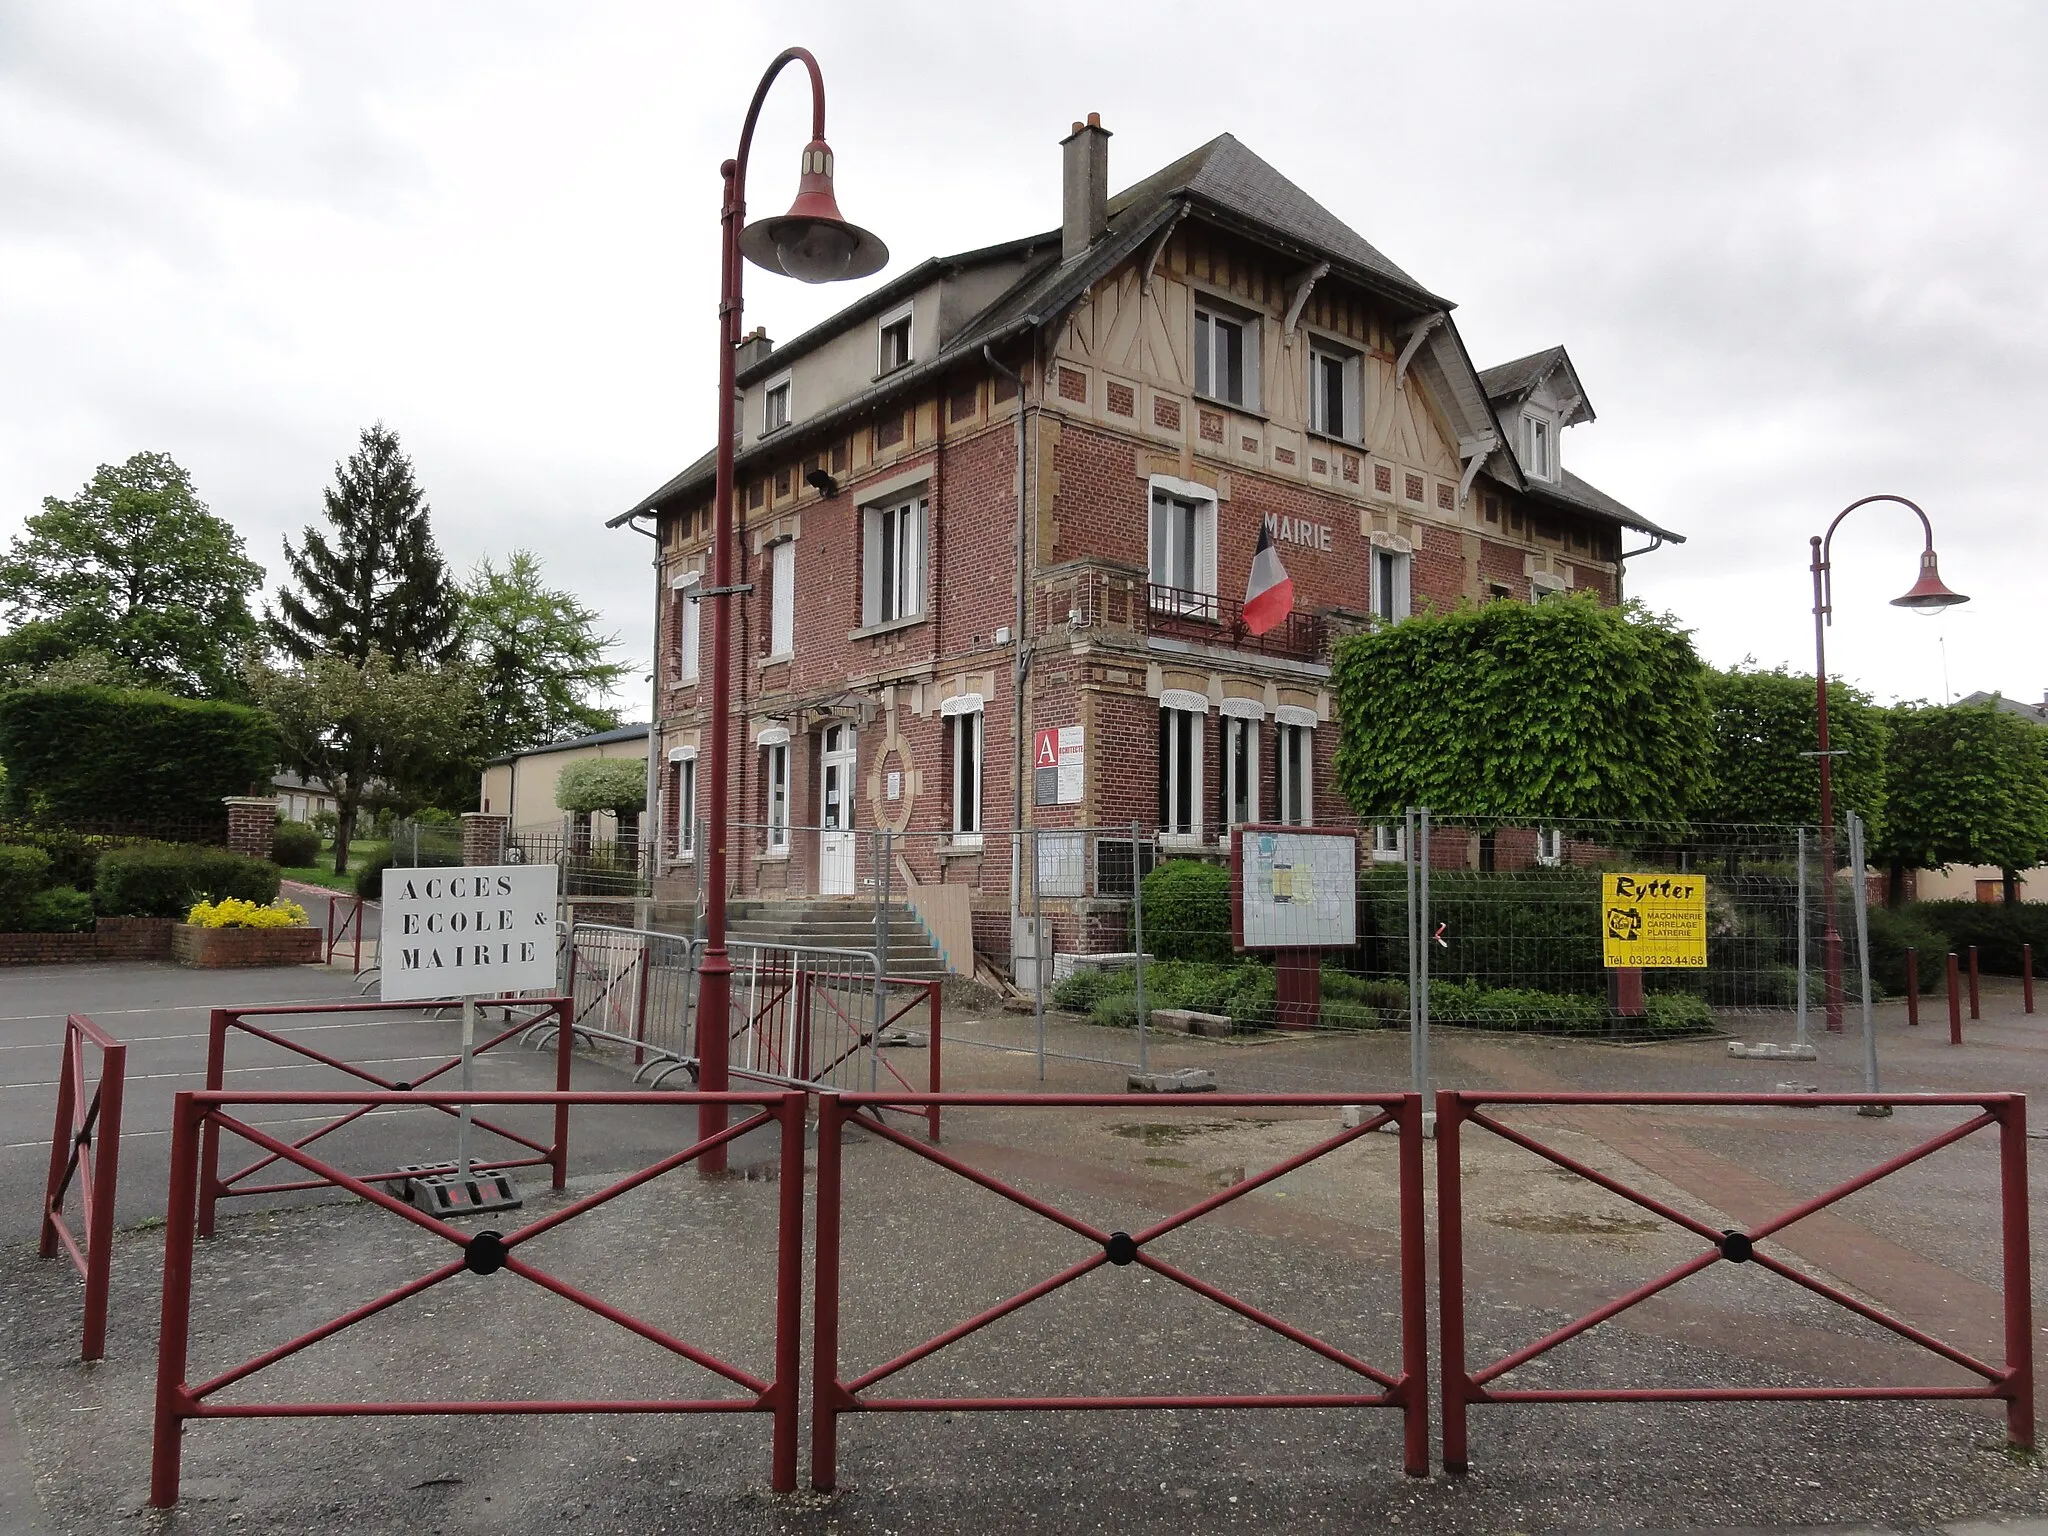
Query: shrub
(1187, 911)
(88, 751)
(1363, 1002)
(231, 912)
(1997, 930)
(1080, 992)
(60, 909)
(294, 845)
(1892, 933)
(1483, 1007)
(74, 856)
(370, 878)
(164, 880)
(603, 784)
(23, 872)
(1678, 1013)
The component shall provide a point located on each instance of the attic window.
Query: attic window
(895, 342)
(1227, 356)
(775, 405)
(1536, 455)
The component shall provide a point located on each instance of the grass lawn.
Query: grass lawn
(322, 875)
(360, 852)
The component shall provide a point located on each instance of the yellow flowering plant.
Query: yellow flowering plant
(234, 912)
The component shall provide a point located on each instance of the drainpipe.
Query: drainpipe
(1021, 666)
(650, 817)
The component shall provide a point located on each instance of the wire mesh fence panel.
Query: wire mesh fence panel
(807, 1015)
(636, 987)
(589, 868)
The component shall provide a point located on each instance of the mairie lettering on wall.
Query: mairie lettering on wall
(1299, 530)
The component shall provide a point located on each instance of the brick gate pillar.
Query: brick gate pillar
(252, 824)
(483, 837)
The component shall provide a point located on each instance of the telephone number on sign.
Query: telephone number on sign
(1660, 960)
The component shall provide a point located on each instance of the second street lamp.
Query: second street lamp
(814, 244)
(1927, 595)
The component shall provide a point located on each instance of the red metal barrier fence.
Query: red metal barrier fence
(833, 1394)
(345, 924)
(85, 1150)
(213, 1188)
(2013, 1383)
(805, 1033)
(477, 1252)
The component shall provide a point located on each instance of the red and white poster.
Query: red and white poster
(1057, 758)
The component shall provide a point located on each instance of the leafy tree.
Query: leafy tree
(1765, 738)
(1524, 712)
(136, 567)
(1967, 784)
(367, 730)
(602, 784)
(378, 586)
(540, 662)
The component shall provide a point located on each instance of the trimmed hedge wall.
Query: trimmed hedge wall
(23, 872)
(76, 754)
(1997, 930)
(166, 880)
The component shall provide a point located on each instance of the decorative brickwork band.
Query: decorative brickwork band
(483, 837)
(252, 824)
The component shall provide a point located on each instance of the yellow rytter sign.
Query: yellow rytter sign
(1652, 922)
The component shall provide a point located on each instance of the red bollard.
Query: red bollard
(1913, 987)
(2027, 976)
(1955, 1003)
(1974, 1014)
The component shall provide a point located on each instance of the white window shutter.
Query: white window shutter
(782, 600)
(1205, 549)
(916, 557)
(871, 566)
(1404, 566)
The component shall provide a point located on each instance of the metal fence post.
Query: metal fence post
(1975, 1012)
(1912, 985)
(2027, 977)
(1138, 950)
(825, 1391)
(1799, 1017)
(2018, 1268)
(1450, 1274)
(1955, 1003)
(1038, 966)
(1861, 877)
(881, 958)
(1422, 934)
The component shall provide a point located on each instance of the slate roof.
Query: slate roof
(599, 739)
(2038, 713)
(1506, 380)
(1579, 496)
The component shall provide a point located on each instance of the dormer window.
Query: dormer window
(1537, 450)
(1333, 391)
(775, 405)
(895, 342)
(1227, 355)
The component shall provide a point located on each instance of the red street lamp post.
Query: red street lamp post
(813, 244)
(1927, 595)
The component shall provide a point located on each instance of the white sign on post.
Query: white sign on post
(480, 932)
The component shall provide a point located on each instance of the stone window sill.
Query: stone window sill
(886, 627)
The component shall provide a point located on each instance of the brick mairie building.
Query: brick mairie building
(998, 516)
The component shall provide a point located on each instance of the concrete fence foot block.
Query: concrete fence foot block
(1187, 1080)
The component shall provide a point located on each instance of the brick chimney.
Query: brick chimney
(753, 349)
(1084, 186)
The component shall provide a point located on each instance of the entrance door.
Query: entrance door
(835, 842)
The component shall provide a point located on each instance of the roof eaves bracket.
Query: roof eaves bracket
(1298, 292)
(1416, 337)
(1474, 452)
(1158, 249)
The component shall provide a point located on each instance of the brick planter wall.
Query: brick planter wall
(112, 938)
(214, 948)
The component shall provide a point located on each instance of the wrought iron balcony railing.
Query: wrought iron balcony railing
(1209, 619)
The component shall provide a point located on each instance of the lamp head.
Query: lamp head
(1929, 594)
(812, 242)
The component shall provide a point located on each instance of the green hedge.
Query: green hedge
(166, 880)
(1997, 930)
(85, 753)
(1892, 933)
(74, 856)
(294, 845)
(1187, 912)
(23, 872)
(60, 909)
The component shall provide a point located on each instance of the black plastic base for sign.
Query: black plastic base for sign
(441, 1191)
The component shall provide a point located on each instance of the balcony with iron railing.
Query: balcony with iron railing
(1206, 618)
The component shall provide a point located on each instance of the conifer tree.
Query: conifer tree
(374, 583)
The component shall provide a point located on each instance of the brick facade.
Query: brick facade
(111, 938)
(252, 825)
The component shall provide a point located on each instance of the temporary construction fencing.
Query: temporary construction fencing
(344, 926)
(1464, 1385)
(635, 987)
(229, 1023)
(834, 1393)
(203, 1117)
(85, 1153)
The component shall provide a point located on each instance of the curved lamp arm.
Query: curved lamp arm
(1823, 565)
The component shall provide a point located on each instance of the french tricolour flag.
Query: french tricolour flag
(1269, 593)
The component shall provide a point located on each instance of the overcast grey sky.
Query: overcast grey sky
(1796, 251)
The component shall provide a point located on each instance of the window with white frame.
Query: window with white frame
(1389, 842)
(775, 405)
(892, 554)
(1549, 846)
(1183, 546)
(1333, 391)
(963, 746)
(1545, 585)
(1390, 578)
(1227, 355)
(894, 341)
(782, 598)
(688, 632)
(775, 791)
(1536, 444)
(1180, 766)
(1239, 802)
(1294, 763)
(683, 842)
